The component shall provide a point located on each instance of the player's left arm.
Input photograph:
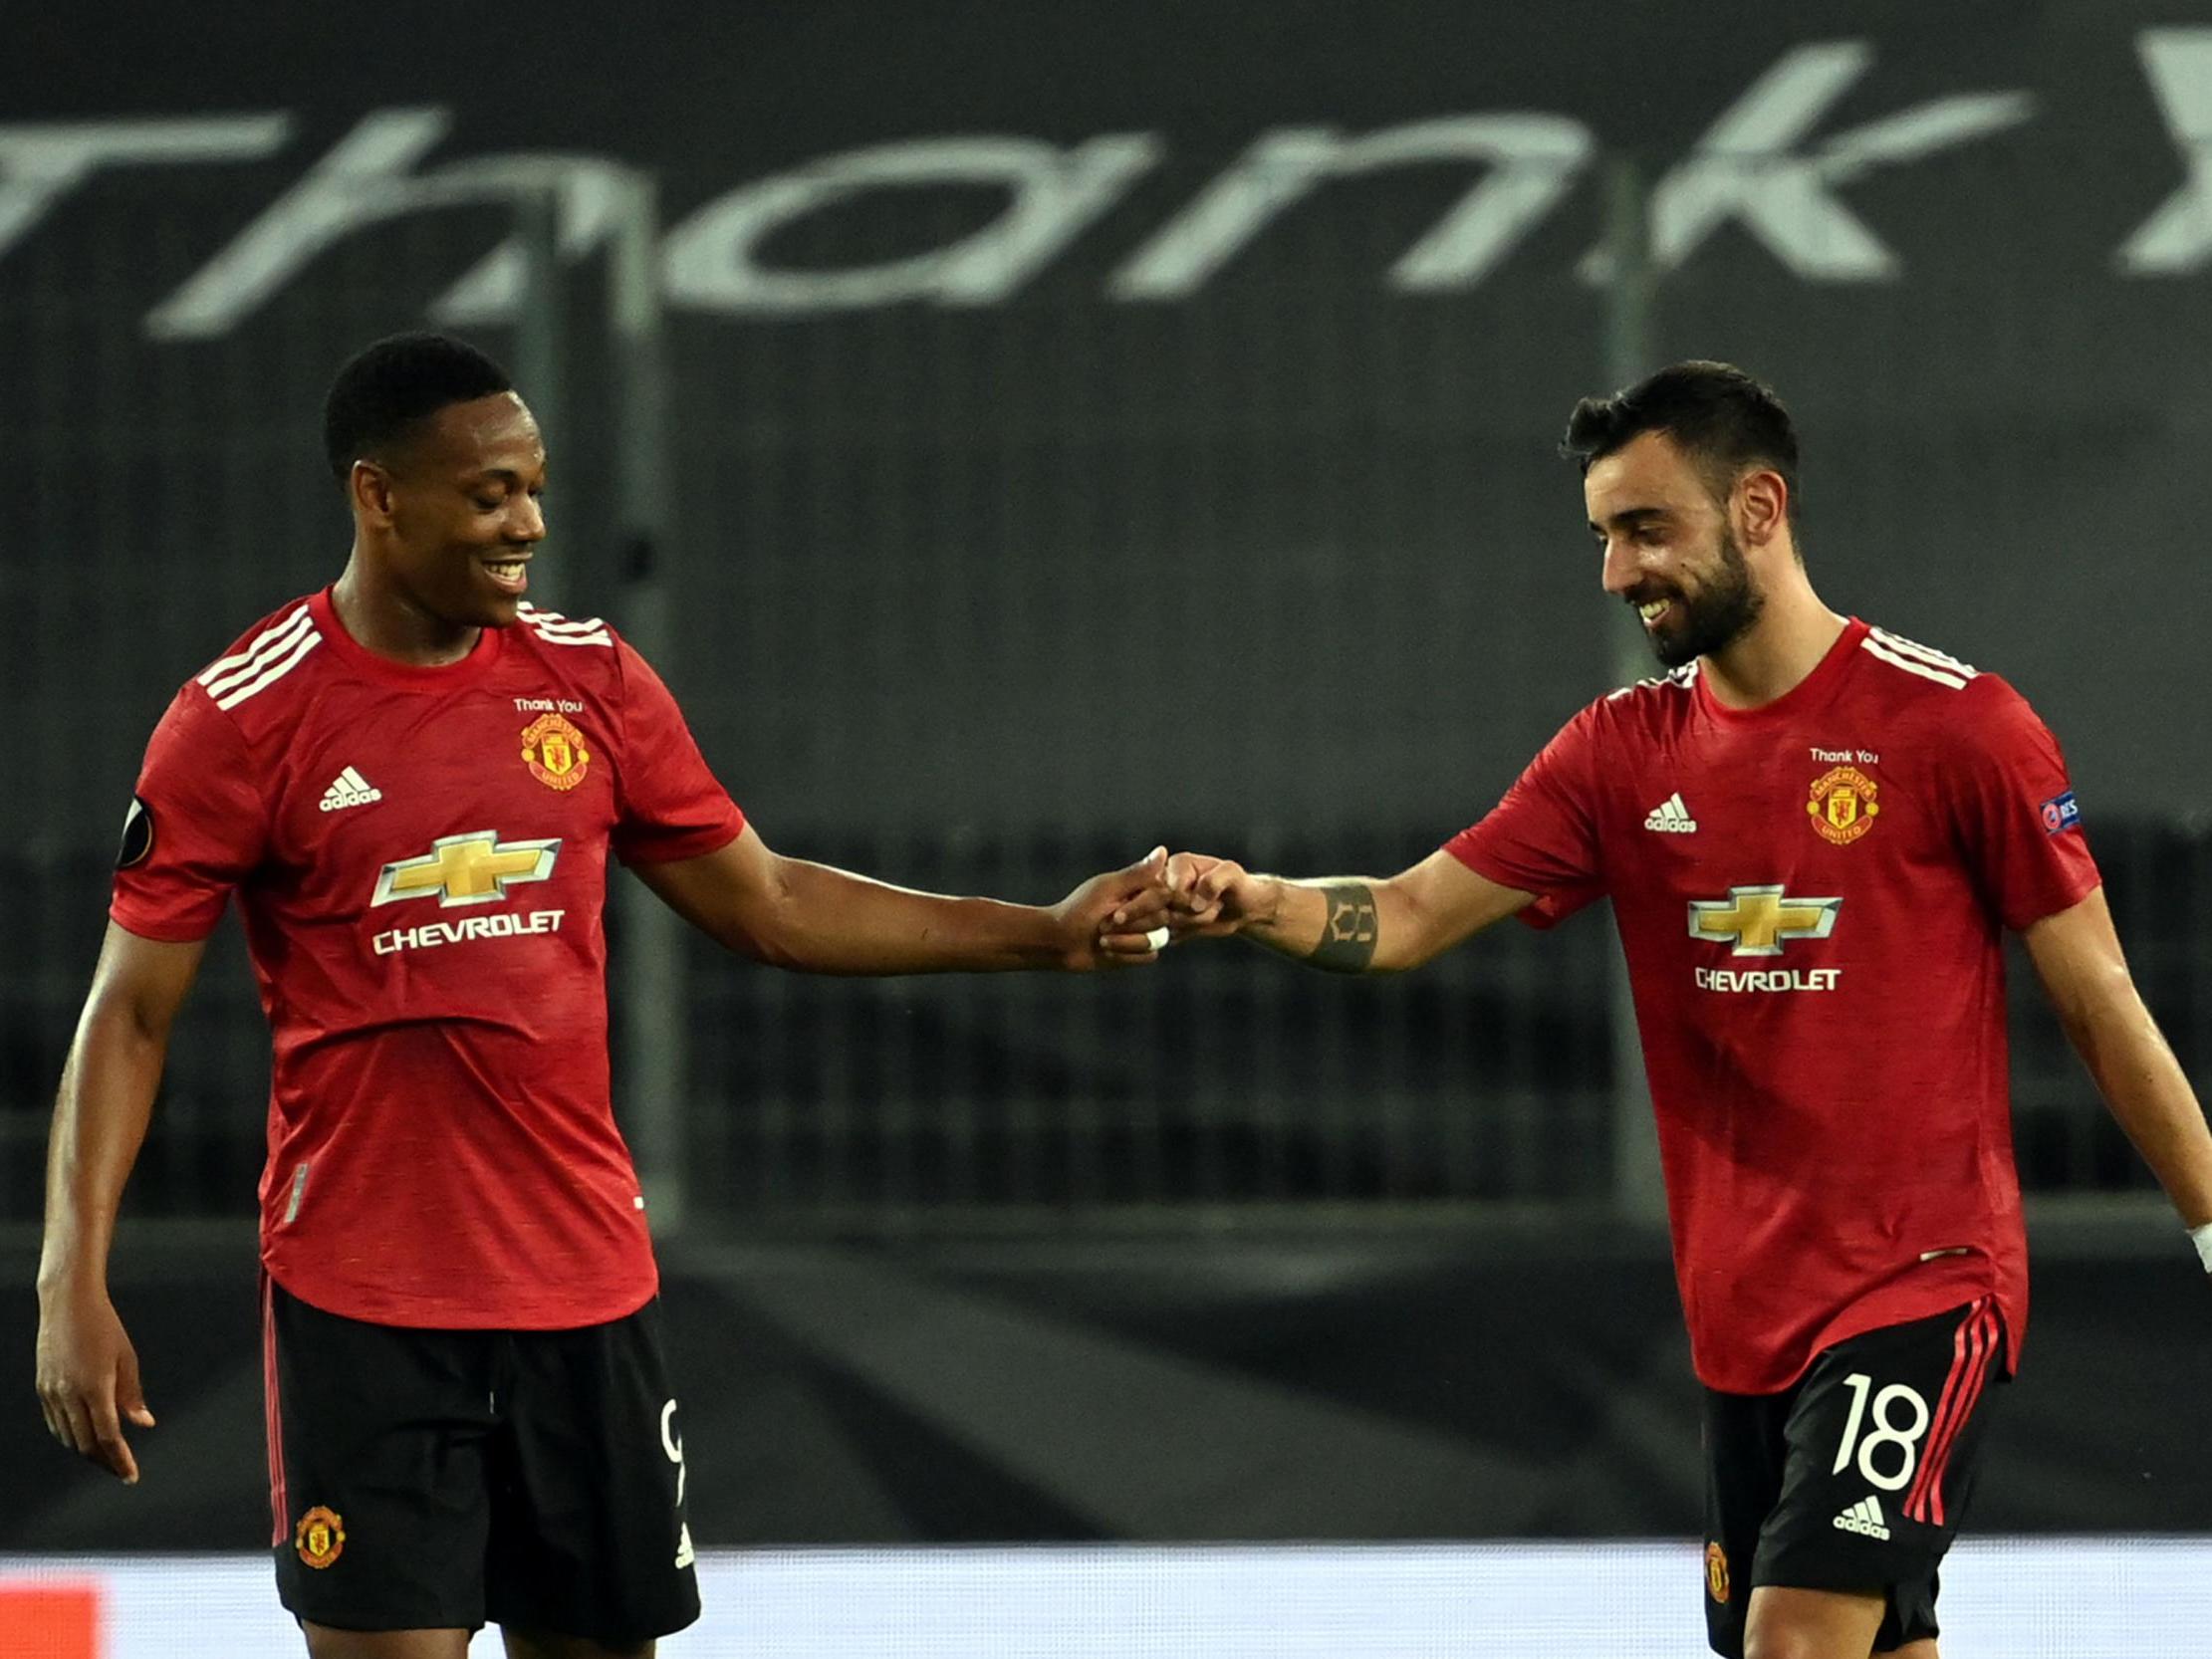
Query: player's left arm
(2078, 957)
(816, 918)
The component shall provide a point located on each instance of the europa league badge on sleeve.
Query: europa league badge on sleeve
(138, 835)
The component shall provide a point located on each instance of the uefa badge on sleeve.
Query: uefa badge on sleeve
(138, 835)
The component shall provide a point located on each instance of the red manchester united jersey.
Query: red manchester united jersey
(421, 859)
(1812, 896)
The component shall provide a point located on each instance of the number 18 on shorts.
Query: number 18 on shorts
(1856, 1478)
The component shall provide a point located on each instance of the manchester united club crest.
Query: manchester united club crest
(1716, 1573)
(1842, 804)
(320, 1538)
(555, 753)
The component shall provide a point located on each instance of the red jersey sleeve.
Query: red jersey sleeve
(671, 805)
(197, 826)
(2014, 810)
(1542, 839)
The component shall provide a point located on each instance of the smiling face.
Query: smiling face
(1670, 548)
(457, 510)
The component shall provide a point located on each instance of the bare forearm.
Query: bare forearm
(818, 920)
(1346, 924)
(100, 1124)
(830, 921)
(2150, 1097)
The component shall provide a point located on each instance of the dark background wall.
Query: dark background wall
(987, 586)
(1309, 509)
(1490, 1380)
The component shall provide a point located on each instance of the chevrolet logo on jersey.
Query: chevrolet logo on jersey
(475, 869)
(1758, 920)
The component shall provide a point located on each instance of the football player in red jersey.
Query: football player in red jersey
(413, 782)
(1815, 834)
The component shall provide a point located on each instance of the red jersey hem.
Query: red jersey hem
(691, 847)
(442, 1314)
(1879, 1312)
(2089, 881)
(161, 932)
(1537, 915)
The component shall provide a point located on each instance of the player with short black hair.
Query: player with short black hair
(383, 391)
(1815, 834)
(1722, 420)
(414, 781)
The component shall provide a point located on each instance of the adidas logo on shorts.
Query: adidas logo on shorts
(350, 788)
(1864, 1518)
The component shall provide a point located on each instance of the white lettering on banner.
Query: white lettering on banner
(40, 163)
(587, 194)
(431, 934)
(2178, 239)
(357, 183)
(364, 180)
(1744, 168)
(1532, 160)
(1758, 166)
(1770, 978)
(1056, 194)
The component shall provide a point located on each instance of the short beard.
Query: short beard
(1721, 613)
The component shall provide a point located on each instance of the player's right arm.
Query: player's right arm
(1346, 924)
(1538, 846)
(197, 826)
(88, 1371)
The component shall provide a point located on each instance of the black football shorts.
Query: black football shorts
(446, 1479)
(1854, 1478)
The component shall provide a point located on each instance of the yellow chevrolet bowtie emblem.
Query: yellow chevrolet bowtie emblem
(475, 869)
(1755, 920)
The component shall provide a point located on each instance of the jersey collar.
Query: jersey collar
(1809, 693)
(443, 677)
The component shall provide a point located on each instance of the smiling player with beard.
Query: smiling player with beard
(1814, 835)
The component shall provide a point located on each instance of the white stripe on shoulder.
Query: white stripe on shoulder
(1911, 665)
(602, 638)
(1681, 679)
(259, 650)
(1926, 653)
(271, 671)
(555, 621)
(556, 629)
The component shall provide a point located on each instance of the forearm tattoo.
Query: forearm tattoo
(1348, 928)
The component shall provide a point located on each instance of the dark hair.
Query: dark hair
(384, 388)
(1719, 416)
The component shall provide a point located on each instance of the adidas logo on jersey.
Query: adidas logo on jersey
(1671, 818)
(350, 788)
(1864, 1518)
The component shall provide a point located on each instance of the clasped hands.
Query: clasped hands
(1126, 917)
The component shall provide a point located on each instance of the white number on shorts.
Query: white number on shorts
(673, 1444)
(1886, 1433)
